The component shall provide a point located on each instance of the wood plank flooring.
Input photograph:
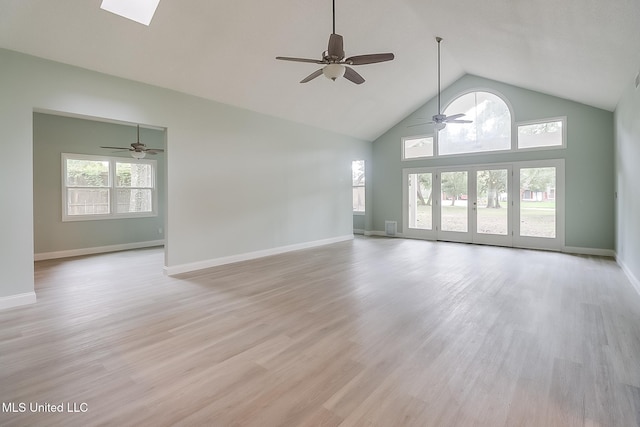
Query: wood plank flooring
(373, 332)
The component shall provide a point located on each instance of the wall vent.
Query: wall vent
(390, 228)
(637, 80)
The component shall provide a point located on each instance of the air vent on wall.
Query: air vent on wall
(637, 80)
(390, 228)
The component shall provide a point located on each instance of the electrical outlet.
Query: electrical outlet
(160, 230)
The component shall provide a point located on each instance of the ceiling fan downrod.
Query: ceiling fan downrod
(334, 16)
(439, 39)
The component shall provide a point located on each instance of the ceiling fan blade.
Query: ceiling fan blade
(311, 76)
(155, 150)
(459, 121)
(351, 75)
(369, 59)
(336, 47)
(118, 148)
(420, 124)
(312, 61)
(454, 116)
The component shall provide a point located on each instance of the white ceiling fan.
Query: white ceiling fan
(440, 120)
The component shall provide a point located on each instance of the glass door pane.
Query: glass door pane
(420, 189)
(505, 204)
(454, 210)
(538, 202)
(492, 208)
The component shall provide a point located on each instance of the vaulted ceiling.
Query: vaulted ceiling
(584, 50)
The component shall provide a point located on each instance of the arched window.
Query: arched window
(489, 131)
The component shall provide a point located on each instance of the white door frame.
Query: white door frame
(494, 239)
(539, 242)
(419, 233)
(455, 236)
(513, 238)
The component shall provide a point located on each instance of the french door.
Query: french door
(515, 204)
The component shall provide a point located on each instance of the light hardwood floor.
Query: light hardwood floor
(374, 332)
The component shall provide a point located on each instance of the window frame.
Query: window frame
(363, 185)
(404, 158)
(562, 119)
(112, 188)
(512, 127)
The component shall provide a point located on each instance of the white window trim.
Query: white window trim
(364, 165)
(562, 119)
(514, 146)
(514, 132)
(112, 187)
(422, 136)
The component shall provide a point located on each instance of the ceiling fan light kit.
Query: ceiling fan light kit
(137, 149)
(333, 71)
(333, 59)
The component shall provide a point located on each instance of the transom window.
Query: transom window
(101, 187)
(548, 133)
(490, 129)
(416, 147)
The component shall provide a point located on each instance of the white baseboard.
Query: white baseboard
(589, 251)
(97, 250)
(381, 233)
(568, 249)
(193, 266)
(632, 278)
(17, 300)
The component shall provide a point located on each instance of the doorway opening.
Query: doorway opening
(58, 231)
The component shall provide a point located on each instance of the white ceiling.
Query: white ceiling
(584, 50)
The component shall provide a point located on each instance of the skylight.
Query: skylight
(137, 10)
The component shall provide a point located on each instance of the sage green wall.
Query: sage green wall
(237, 181)
(359, 221)
(627, 121)
(54, 135)
(589, 161)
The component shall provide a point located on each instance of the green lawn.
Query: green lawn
(537, 205)
(536, 218)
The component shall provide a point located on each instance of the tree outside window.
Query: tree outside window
(358, 178)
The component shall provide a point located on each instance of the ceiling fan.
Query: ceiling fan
(333, 59)
(440, 120)
(138, 150)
